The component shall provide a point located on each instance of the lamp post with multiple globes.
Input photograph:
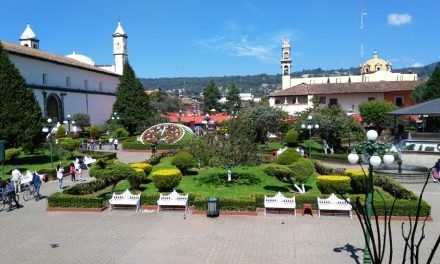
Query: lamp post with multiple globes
(310, 124)
(370, 151)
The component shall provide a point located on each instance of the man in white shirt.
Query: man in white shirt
(16, 178)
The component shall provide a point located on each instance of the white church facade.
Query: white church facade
(65, 85)
(375, 81)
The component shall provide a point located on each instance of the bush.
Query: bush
(96, 131)
(184, 161)
(111, 171)
(120, 133)
(288, 157)
(333, 184)
(323, 169)
(86, 187)
(135, 180)
(12, 154)
(394, 188)
(66, 200)
(147, 168)
(166, 180)
(69, 144)
(278, 171)
(61, 132)
(155, 159)
(291, 138)
(410, 147)
(302, 170)
(358, 181)
(135, 145)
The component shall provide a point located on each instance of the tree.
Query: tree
(233, 99)
(433, 85)
(20, 115)
(82, 120)
(258, 121)
(163, 103)
(132, 103)
(264, 101)
(211, 95)
(376, 112)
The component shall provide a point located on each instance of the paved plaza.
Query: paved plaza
(33, 235)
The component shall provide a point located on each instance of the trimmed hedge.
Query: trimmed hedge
(394, 188)
(67, 200)
(358, 181)
(333, 184)
(288, 157)
(136, 179)
(340, 157)
(135, 145)
(278, 171)
(147, 168)
(166, 180)
(87, 187)
(302, 170)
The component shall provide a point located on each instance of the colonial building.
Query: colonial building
(69, 84)
(375, 81)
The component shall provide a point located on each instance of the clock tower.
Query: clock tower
(120, 48)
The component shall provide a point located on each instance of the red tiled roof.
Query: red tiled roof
(187, 117)
(345, 88)
(19, 50)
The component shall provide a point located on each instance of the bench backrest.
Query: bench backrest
(279, 198)
(127, 195)
(174, 196)
(333, 200)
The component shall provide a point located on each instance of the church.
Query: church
(66, 85)
(375, 81)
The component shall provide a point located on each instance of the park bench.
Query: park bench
(172, 199)
(333, 203)
(88, 160)
(125, 198)
(279, 201)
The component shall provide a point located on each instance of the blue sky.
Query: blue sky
(174, 38)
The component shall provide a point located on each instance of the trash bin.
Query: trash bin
(213, 207)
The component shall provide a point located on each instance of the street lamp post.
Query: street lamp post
(115, 118)
(370, 151)
(207, 121)
(69, 121)
(310, 124)
(48, 129)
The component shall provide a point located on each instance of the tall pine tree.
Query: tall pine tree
(233, 98)
(433, 85)
(211, 95)
(20, 114)
(132, 104)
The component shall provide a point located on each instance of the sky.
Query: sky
(199, 38)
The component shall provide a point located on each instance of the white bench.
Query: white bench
(125, 198)
(335, 204)
(279, 201)
(88, 160)
(173, 199)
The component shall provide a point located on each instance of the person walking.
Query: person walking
(10, 192)
(116, 142)
(16, 179)
(60, 171)
(72, 171)
(110, 143)
(37, 184)
(100, 143)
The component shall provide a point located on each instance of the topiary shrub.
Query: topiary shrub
(135, 180)
(184, 161)
(61, 132)
(288, 157)
(333, 184)
(302, 170)
(147, 168)
(69, 144)
(12, 154)
(279, 171)
(111, 171)
(358, 181)
(86, 187)
(166, 180)
(291, 138)
(154, 159)
(120, 133)
(96, 131)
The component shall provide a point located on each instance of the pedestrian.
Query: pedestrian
(100, 143)
(16, 179)
(37, 184)
(72, 171)
(60, 171)
(116, 142)
(10, 192)
(301, 151)
(92, 144)
(110, 143)
(80, 178)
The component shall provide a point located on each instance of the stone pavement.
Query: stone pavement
(33, 235)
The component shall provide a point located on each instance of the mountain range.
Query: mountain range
(259, 85)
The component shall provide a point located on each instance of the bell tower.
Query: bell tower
(120, 48)
(29, 39)
(286, 64)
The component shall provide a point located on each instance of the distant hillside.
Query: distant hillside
(259, 85)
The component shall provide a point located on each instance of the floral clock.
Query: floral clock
(166, 132)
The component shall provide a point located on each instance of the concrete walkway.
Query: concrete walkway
(33, 235)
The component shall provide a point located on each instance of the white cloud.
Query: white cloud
(417, 64)
(395, 19)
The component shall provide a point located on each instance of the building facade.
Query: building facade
(375, 81)
(65, 85)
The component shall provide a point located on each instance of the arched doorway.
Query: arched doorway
(54, 108)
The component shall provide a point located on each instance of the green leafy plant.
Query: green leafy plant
(184, 161)
(279, 171)
(12, 154)
(333, 184)
(302, 170)
(291, 138)
(288, 157)
(166, 180)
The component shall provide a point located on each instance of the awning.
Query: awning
(431, 108)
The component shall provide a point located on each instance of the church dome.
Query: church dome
(81, 58)
(375, 64)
